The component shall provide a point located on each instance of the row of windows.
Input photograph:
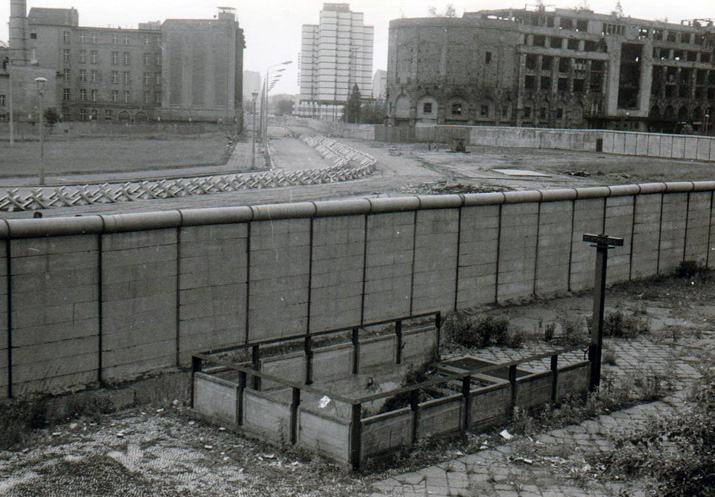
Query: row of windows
(95, 77)
(94, 38)
(565, 63)
(114, 97)
(571, 43)
(683, 55)
(93, 114)
(116, 57)
(579, 85)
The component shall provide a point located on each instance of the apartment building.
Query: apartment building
(563, 68)
(177, 70)
(335, 56)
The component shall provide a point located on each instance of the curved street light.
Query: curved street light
(268, 86)
(41, 119)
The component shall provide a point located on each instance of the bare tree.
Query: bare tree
(583, 5)
(449, 11)
(618, 11)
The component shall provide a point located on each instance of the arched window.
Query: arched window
(697, 114)
(140, 116)
(655, 112)
(427, 108)
(457, 110)
(683, 113)
(669, 112)
(402, 107)
(124, 116)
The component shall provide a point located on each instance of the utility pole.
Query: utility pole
(602, 243)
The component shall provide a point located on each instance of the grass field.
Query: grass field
(87, 155)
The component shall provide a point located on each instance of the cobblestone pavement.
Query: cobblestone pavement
(554, 464)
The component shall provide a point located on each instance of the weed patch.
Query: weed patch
(468, 330)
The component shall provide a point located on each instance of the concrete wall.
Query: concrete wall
(613, 142)
(114, 297)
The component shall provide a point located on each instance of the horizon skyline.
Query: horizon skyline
(264, 47)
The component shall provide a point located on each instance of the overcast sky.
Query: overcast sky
(273, 27)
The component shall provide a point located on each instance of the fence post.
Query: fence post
(466, 385)
(256, 365)
(239, 399)
(554, 378)
(356, 350)
(398, 344)
(196, 364)
(356, 436)
(438, 325)
(294, 416)
(512, 382)
(414, 406)
(308, 360)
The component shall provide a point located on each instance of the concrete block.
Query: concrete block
(698, 229)
(386, 433)
(138, 239)
(36, 247)
(641, 144)
(666, 146)
(440, 417)
(678, 149)
(691, 148)
(215, 399)
(324, 436)
(654, 145)
(672, 236)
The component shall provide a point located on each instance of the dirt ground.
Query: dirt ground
(162, 451)
(83, 155)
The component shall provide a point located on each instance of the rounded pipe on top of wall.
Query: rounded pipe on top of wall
(394, 204)
(216, 215)
(273, 212)
(679, 186)
(559, 194)
(703, 186)
(119, 223)
(440, 201)
(592, 192)
(647, 188)
(329, 208)
(55, 226)
(491, 198)
(521, 197)
(624, 190)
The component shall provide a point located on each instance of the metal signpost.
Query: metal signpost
(602, 243)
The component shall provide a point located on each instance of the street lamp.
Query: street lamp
(264, 108)
(40, 90)
(707, 121)
(253, 134)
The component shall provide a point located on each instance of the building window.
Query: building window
(108, 114)
(115, 77)
(531, 61)
(147, 59)
(572, 44)
(147, 78)
(126, 97)
(488, 58)
(127, 58)
(158, 98)
(530, 82)
(505, 111)
(559, 113)
(556, 42)
(127, 77)
(427, 108)
(68, 75)
(115, 39)
(66, 37)
(115, 96)
(82, 75)
(83, 56)
(93, 56)
(126, 39)
(66, 55)
(83, 114)
(33, 35)
(94, 38)
(158, 78)
(2, 101)
(93, 76)
(158, 60)
(66, 95)
(527, 112)
(147, 97)
(484, 111)
(563, 84)
(82, 95)
(542, 113)
(457, 109)
(93, 114)
(545, 84)
(94, 95)
(83, 37)
(147, 40)
(564, 65)
(547, 63)
(115, 58)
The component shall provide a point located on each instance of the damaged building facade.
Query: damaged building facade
(559, 68)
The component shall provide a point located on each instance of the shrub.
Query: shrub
(679, 452)
(688, 269)
(609, 357)
(549, 332)
(515, 339)
(572, 333)
(620, 325)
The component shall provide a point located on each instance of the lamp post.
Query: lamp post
(707, 121)
(12, 110)
(264, 108)
(253, 134)
(41, 119)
